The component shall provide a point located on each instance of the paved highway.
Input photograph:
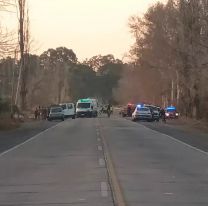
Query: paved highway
(103, 162)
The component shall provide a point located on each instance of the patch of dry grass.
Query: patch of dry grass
(6, 123)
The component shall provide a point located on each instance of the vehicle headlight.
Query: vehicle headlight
(177, 114)
(167, 114)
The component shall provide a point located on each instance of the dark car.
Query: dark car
(171, 113)
(155, 112)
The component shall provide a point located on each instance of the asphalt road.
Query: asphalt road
(100, 162)
(191, 136)
(9, 139)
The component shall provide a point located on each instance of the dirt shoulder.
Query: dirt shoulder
(6, 123)
(190, 124)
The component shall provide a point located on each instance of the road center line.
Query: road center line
(100, 148)
(117, 193)
(98, 139)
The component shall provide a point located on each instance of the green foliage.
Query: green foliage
(82, 81)
(56, 76)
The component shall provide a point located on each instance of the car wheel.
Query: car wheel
(73, 117)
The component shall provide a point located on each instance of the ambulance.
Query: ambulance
(87, 108)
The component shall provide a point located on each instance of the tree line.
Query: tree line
(170, 57)
(57, 76)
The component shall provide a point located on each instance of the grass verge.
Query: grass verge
(6, 123)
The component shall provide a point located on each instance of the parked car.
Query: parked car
(56, 113)
(171, 113)
(68, 109)
(142, 113)
(155, 112)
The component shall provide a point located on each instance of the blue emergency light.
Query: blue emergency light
(171, 108)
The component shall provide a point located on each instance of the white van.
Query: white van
(87, 107)
(68, 109)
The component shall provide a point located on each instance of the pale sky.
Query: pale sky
(89, 27)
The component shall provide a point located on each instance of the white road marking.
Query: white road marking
(168, 193)
(101, 162)
(27, 141)
(104, 189)
(179, 141)
(98, 139)
(100, 148)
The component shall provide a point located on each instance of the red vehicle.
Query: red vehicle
(128, 110)
(171, 113)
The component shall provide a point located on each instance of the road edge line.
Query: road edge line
(176, 140)
(25, 142)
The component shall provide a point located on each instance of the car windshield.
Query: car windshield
(143, 109)
(56, 110)
(83, 105)
(63, 106)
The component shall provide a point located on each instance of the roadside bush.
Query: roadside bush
(4, 106)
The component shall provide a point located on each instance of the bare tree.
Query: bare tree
(24, 42)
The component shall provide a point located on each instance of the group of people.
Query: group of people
(41, 113)
(107, 109)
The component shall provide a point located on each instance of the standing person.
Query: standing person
(128, 110)
(36, 113)
(109, 110)
(44, 111)
(162, 114)
(39, 112)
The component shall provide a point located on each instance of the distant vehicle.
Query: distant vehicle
(56, 113)
(68, 109)
(155, 112)
(128, 110)
(87, 108)
(171, 112)
(142, 113)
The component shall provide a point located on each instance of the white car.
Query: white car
(56, 113)
(68, 109)
(142, 113)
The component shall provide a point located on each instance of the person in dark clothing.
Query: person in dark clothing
(36, 113)
(109, 110)
(128, 110)
(162, 115)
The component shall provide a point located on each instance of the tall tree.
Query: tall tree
(24, 46)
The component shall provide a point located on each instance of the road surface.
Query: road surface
(103, 162)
